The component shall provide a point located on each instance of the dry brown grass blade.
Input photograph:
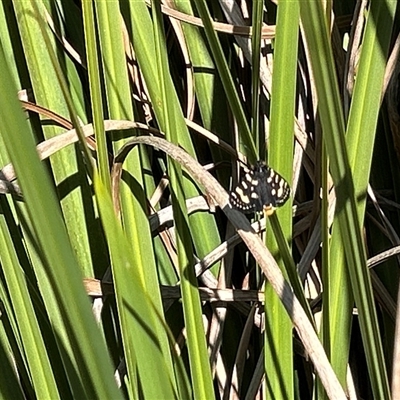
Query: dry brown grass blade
(268, 32)
(264, 258)
(47, 148)
(97, 288)
(56, 143)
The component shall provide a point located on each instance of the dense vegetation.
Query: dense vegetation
(125, 273)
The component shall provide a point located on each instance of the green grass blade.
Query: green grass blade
(278, 345)
(249, 147)
(9, 383)
(196, 342)
(95, 91)
(203, 226)
(333, 123)
(32, 341)
(48, 93)
(49, 231)
(135, 221)
(210, 95)
(257, 22)
(137, 311)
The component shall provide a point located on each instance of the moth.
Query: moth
(260, 189)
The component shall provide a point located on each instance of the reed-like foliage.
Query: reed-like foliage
(122, 270)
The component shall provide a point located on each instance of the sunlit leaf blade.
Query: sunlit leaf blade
(203, 227)
(227, 81)
(51, 236)
(135, 222)
(196, 342)
(66, 163)
(333, 123)
(28, 328)
(278, 326)
(137, 311)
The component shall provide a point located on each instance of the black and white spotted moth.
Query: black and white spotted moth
(260, 189)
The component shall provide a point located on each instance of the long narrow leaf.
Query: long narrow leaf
(197, 348)
(279, 369)
(61, 266)
(333, 123)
